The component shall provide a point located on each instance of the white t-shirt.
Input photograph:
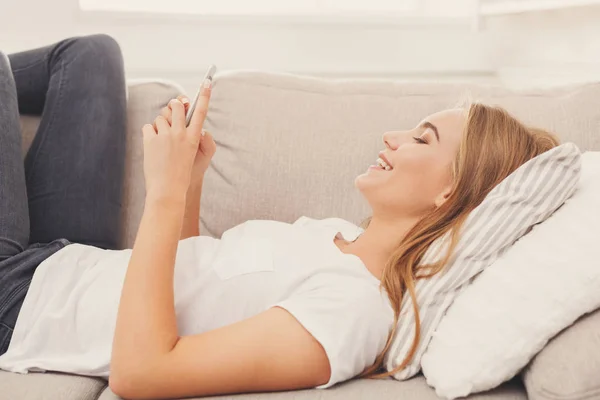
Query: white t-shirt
(68, 317)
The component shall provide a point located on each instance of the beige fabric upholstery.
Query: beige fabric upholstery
(291, 146)
(49, 386)
(359, 389)
(568, 368)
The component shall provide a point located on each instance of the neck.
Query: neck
(381, 238)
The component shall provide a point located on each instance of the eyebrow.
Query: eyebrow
(427, 124)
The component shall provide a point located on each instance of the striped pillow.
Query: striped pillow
(526, 197)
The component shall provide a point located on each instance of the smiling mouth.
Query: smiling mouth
(378, 167)
(383, 165)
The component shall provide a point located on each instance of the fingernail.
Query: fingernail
(203, 132)
(207, 83)
(185, 100)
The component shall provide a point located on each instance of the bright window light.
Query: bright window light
(491, 7)
(255, 7)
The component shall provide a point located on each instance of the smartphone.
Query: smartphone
(209, 75)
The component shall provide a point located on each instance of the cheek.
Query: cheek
(413, 164)
(420, 175)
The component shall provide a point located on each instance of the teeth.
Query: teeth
(383, 164)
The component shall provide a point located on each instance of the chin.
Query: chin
(358, 182)
(361, 183)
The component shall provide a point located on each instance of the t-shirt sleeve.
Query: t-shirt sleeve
(352, 326)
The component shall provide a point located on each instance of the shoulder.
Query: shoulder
(345, 300)
(351, 322)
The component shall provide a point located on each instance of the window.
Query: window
(400, 10)
(257, 7)
(498, 7)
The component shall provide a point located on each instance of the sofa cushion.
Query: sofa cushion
(359, 389)
(49, 386)
(542, 284)
(292, 145)
(568, 368)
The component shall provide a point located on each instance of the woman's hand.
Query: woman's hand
(206, 149)
(176, 156)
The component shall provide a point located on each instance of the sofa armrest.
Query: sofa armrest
(146, 98)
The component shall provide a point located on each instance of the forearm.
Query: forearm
(146, 326)
(191, 218)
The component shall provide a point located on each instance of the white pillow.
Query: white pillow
(525, 198)
(547, 280)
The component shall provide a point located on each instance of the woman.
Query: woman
(270, 305)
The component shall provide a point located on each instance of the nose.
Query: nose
(390, 139)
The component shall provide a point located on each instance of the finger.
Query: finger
(162, 125)
(184, 99)
(207, 143)
(148, 131)
(166, 113)
(186, 103)
(177, 115)
(201, 107)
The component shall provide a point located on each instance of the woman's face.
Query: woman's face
(421, 160)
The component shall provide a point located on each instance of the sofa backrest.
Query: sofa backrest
(292, 145)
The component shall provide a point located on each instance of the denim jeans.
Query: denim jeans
(68, 189)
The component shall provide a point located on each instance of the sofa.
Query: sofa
(292, 145)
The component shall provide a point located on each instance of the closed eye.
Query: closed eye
(419, 140)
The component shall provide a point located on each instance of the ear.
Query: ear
(442, 197)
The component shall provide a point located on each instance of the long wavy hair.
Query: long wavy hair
(493, 145)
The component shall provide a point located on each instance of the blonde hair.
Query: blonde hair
(493, 145)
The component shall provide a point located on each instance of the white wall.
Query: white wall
(181, 49)
(536, 49)
(550, 48)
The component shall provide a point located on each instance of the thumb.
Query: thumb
(197, 136)
(204, 134)
(207, 144)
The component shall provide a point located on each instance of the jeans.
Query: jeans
(68, 189)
